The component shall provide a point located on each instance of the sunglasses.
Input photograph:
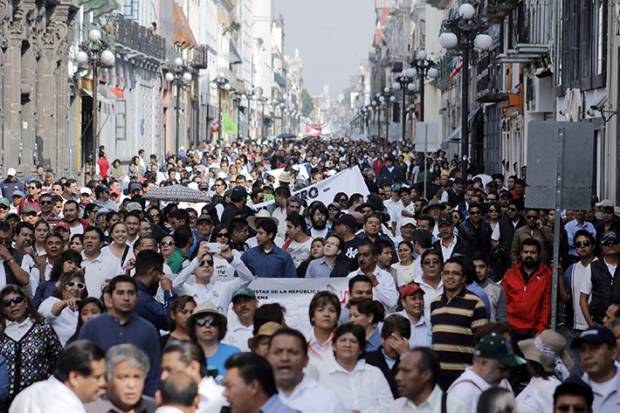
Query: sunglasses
(512, 209)
(582, 244)
(492, 210)
(74, 284)
(15, 300)
(205, 321)
(4, 207)
(530, 218)
(46, 203)
(474, 212)
(204, 263)
(221, 234)
(167, 244)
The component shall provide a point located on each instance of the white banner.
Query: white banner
(294, 294)
(349, 181)
(300, 168)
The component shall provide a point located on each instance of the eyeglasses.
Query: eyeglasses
(167, 244)
(74, 284)
(582, 244)
(205, 321)
(431, 262)
(492, 210)
(609, 242)
(204, 263)
(221, 234)
(576, 408)
(15, 300)
(46, 203)
(154, 215)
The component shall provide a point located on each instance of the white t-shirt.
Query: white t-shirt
(581, 275)
(299, 251)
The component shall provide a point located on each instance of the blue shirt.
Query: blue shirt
(374, 341)
(318, 268)
(274, 405)
(217, 361)
(276, 263)
(152, 310)
(421, 331)
(476, 289)
(106, 331)
(4, 382)
(572, 227)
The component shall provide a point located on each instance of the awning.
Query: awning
(455, 135)
(182, 35)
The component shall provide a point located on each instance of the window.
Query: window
(120, 117)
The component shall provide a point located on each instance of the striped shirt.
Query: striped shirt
(453, 322)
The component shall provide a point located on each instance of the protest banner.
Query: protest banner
(349, 181)
(294, 294)
(300, 168)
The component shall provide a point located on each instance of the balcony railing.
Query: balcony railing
(498, 9)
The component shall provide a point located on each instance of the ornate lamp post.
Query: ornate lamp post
(179, 76)
(464, 31)
(95, 53)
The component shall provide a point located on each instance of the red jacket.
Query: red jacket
(529, 306)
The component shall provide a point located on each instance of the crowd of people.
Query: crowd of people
(113, 301)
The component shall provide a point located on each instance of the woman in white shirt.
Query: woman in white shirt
(196, 280)
(118, 249)
(324, 312)
(61, 308)
(359, 386)
(548, 362)
(405, 267)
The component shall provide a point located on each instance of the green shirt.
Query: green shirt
(176, 259)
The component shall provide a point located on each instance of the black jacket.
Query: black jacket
(479, 239)
(605, 289)
(461, 248)
(376, 358)
(506, 234)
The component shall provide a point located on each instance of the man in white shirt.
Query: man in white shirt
(78, 378)
(178, 394)
(597, 349)
(493, 359)
(98, 267)
(383, 286)
(298, 242)
(241, 322)
(288, 356)
(417, 378)
(578, 274)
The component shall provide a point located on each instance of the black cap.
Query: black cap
(346, 219)
(445, 221)
(238, 194)
(135, 186)
(595, 335)
(205, 218)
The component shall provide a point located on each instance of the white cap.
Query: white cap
(407, 221)
(11, 172)
(86, 190)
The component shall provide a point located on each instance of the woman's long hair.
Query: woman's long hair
(64, 256)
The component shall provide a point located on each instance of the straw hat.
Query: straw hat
(545, 349)
(286, 178)
(261, 214)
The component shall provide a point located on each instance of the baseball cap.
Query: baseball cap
(495, 347)
(11, 172)
(348, 220)
(238, 194)
(205, 218)
(27, 210)
(408, 221)
(445, 221)
(594, 335)
(244, 292)
(18, 193)
(135, 186)
(133, 206)
(609, 237)
(86, 190)
(62, 225)
(410, 289)
(5, 202)
(605, 203)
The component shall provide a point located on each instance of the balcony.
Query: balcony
(524, 53)
(498, 9)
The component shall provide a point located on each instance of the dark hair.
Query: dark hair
(282, 191)
(123, 278)
(265, 313)
(68, 255)
(428, 361)
(496, 399)
(219, 321)
(181, 215)
(531, 242)
(428, 218)
(424, 238)
(138, 244)
(77, 357)
(64, 280)
(97, 230)
(478, 256)
(574, 386)
(431, 252)
(182, 236)
(291, 332)
(252, 367)
(357, 331)
(83, 303)
(148, 259)
(238, 224)
(188, 351)
(30, 310)
(22, 225)
(580, 233)
(471, 206)
(396, 323)
(297, 221)
(177, 305)
(323, 298)
(374, 250)
(360, 278)
(339, 238)
(77, 206)
(368, 307)
(267, 225)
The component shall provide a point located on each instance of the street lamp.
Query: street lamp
(221, 82)
(96, 53)
(465, 30)
(386, 99)
(178, 74)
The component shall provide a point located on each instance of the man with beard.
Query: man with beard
(527, 286)
(70, 212)
(149, 274)
(318, 220)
